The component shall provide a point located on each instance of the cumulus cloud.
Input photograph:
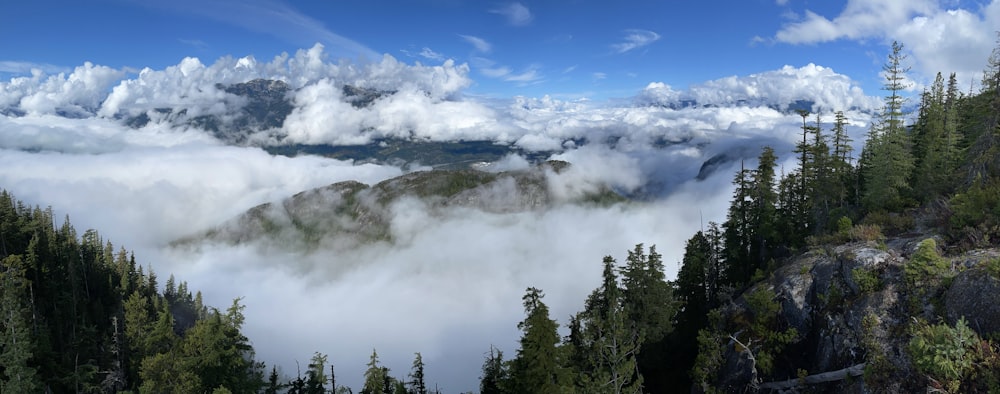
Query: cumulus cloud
(635, 39)
(76, 94)
(479, 44)
(940, 39)
(823, 87)
(516, 13)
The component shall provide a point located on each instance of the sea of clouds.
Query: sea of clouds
(450, 283)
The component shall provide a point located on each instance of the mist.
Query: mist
(449, 282)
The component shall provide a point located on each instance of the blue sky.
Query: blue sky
(567, 49)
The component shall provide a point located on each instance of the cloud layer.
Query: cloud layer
(450, 285)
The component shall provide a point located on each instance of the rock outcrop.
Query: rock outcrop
(852, 308)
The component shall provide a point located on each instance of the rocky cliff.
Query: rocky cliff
(876, 316)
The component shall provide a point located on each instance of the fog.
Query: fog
(450, 282)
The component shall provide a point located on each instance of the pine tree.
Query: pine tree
(752, 236)
(841, 166)
(375, 377)
(495, 374)
(15, 334)
(417, 384)
(316, 374)
(537, 367)
(613, 340)
(889, 162)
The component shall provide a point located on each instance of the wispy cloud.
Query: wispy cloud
(197, 44)
(495, 72)
(427, 53)
(599, 76)
(529, 76)
(273, 17)
(480, 44)
(17, 67)
(517, 14)
(570, 69)
(634, 39)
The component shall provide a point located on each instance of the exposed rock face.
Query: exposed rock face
(975, 295)
(843, 320)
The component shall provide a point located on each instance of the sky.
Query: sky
(535, 75)
(565, 49)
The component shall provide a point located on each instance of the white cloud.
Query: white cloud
(146, 187)
(858, 20)
(940, 39)
(479, 44)
(634, 39)
(78, 93)
(599, 76)
(16, 67)
(427, 53)
(821, 85)
(516, 13)
(529, 76)
(495, 72)
(272, 17)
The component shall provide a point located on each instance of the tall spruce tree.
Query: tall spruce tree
(17, 376)
(496, 374)
(375, 377)
(888, 159)
(538, 368)
(417, 383)
(613, 341)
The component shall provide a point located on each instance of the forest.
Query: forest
(80, 315)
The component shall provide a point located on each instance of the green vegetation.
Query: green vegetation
(867, 280)
(954, 357)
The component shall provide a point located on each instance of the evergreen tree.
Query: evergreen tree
(16, 375)
(417, 384)
(495, 374)
(375, 377)
(613, 341)
(316, 375)
(841, 166)
(752, 236)
(537, 367)
(889, 162)
(649, 304)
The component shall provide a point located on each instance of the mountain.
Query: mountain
(347, 214)
(263, 105)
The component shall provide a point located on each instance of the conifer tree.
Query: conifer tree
(417, 383)
(15, 334)
(889, 162)
(495, 373)
(316, 374)
(613, 340)
(537, 368)
(375, 377)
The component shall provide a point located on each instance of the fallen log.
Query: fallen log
(831, 376)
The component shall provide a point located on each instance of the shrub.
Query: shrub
(891, 223)
(944, 353)
(926, 266)
(867, 280)
(866, 232)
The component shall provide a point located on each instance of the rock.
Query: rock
(975, 295)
